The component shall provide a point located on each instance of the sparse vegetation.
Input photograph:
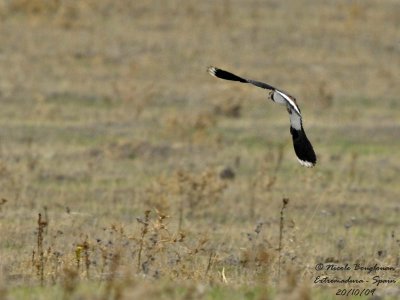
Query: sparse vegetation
(126, 172)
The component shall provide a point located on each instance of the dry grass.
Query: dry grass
(154, 180)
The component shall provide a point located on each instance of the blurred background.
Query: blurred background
(107, 110)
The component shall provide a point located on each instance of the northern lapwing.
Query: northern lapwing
(302, 146)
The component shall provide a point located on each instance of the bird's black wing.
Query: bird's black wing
(303, 148)
(230, 76)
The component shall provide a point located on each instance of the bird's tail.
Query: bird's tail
(224, 74)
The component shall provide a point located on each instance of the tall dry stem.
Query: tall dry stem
(285, 202)
(40, 263)
(144, 231)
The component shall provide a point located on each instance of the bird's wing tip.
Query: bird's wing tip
(212, 70)
(307, 164)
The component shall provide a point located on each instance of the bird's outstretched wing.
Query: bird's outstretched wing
(302, 146)
(230, 76)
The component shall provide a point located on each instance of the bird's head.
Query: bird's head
(271, 95)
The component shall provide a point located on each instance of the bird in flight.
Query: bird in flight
(302, 146)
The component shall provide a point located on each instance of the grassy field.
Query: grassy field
(115, 144)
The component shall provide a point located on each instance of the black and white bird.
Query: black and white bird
(302, 146)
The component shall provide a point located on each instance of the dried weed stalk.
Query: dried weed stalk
(285, 202)
(144, 230)
(82, 250)
(39, 263)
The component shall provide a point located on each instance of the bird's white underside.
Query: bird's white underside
(295, 121)
(282, 98)
(278, 98)
(295, 116)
